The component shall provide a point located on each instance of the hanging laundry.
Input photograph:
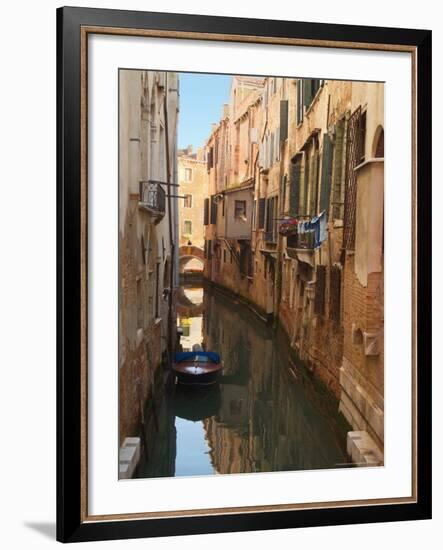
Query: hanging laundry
(316, 225)
(304, 227)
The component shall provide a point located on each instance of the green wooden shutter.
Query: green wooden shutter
(307, 92)
(313, 198)
(304, 187)
(299, 101)
(261, 213)
(270, 214)
(326, 174)
(339, 152)
(294, 191)
(283, 119)
(206, 212)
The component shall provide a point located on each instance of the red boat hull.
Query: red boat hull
(197, 373)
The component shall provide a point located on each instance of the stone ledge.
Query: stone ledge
(360, 403)
(362, 449)
(129, 456)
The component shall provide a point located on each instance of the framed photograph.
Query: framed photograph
(244, 274)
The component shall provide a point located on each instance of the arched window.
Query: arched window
(379, 143)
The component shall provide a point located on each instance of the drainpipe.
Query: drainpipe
(170, 342)
(281, 209)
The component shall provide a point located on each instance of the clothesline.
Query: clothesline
(316, 225)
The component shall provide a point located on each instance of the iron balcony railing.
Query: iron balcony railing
(153, 196)
(301, 240)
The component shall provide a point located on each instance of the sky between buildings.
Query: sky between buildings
(201, 103)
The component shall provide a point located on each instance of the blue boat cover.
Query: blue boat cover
(189, 355)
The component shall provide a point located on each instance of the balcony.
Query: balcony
(152, 198)
(304, 241)
(300, 246)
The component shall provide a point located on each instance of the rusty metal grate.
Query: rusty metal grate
(352, 159)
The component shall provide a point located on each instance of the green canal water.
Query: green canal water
(267, 413)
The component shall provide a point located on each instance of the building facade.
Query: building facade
(294, 226)
(148, 238)
(193, 182)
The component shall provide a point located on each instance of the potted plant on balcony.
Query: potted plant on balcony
(288, 227)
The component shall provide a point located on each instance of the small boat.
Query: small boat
(197, 367)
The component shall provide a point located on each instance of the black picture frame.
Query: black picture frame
(71, 524)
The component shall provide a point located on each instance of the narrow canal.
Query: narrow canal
(267, 413)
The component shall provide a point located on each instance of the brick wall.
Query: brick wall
(363, 311)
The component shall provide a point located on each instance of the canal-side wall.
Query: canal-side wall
(320, 149)
(147, 236)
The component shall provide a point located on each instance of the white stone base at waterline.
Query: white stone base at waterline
(362, 449)
(129, 456)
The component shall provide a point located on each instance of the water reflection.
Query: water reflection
(266, 414)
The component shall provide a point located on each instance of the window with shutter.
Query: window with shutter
(299, 101)
(338, 170)
(313, 192)
(326, 174)
(261, 213)
(213, 210)
(294, 191)
(307, 92)
(335, 293)
(271, 147)
(277, 144)
(210, 158)
(206, 212)
(187, 227)
(319, 301)
(303, 203)
(269, 214)
(283, 119)
(353, 151)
